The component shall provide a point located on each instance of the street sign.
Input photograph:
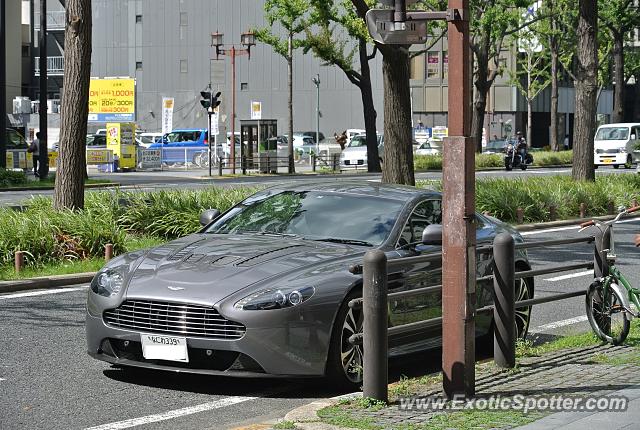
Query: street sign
(215, 127)
(384, 30)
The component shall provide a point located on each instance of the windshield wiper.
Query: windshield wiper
(269, 233)
(345, 241)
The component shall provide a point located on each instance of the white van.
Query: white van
(614, 145)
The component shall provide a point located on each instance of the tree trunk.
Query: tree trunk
(397, 166)
(482, 86)
(373, 158)
(71, 163)
(554, 100)
(618, 76)
(586, 85)
(292, 168)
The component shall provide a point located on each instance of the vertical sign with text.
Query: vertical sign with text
(256, 110)
(167, 114)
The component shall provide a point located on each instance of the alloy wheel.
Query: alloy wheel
(351, 356)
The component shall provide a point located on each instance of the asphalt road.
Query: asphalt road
(149, 181)
(48, 382)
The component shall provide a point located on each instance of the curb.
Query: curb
(46, 282)
(306, 418)
(104, 185)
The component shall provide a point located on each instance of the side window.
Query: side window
(424, 214)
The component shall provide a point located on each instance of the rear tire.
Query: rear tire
(616, 166)
(606, 314)
(344, 361)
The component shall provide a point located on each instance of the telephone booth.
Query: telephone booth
(259, 144)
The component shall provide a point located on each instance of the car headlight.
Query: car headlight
(509, 147)
(622, 149)
(275, 298)
(108, 282)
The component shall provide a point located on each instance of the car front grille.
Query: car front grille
(173, 319)
(607, 151)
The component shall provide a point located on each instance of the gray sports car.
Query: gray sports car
(263, 288)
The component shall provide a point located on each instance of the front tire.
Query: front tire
(629, 163)
(606, 314)
(344, 362)
(523, 291)
(508, 166)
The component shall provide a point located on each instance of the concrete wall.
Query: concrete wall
(14, 54)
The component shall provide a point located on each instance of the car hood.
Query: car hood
(205, 269)
(360, 151)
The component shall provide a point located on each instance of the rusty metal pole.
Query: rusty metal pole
(108, 251)
(375, 340)
(459, 233)
(19, 261)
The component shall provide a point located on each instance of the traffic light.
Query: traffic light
(206, 99)
(210, 100)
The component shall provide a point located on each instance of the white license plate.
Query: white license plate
(171, 348)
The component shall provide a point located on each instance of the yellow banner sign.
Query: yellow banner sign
(99, 156)
(112, 100)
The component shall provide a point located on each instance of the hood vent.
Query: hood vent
(184, 251)
(273, 253)
(224, 260)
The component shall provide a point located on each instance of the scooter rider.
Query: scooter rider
(521, 147)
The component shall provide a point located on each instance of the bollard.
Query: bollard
(220, 166)
(108, 252)
(504, 312)
(19, 261)
(313, 162)
(583, 210)
(553, 215)
(243, 164)
(611, 208)
(635, 201)
(375, 339)
(519, 215)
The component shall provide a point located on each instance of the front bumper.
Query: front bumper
(610, 159)
(293, 350)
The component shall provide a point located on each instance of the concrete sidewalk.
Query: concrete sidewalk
(595, 372)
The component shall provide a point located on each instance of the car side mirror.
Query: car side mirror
(633, 137)
(209, 215)
(432, 235)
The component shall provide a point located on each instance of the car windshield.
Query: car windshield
(313, 215)
(496, 144)
(613, 133)
(183, 136)
(358, 141)
(425, 145)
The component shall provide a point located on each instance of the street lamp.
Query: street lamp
(316, 81)
(247, 40)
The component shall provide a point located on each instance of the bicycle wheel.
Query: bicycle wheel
(606, 314)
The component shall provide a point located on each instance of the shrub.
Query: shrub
(484, 161)
(9, 178)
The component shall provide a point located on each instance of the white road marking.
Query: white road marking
(225, 401)
(2, 379)
(42, 293)
(570, 275)
(558, 324)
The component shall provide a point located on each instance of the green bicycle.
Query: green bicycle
(609, 298)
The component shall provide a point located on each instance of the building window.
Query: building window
(433, 64)
(244, 86)
(138, 65)
(416, 67)
(184, 66)
(183, 18)
(445, 65)
(138, 19)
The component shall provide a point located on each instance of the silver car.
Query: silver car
(263, 288)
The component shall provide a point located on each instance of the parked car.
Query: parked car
(183, 146)
(425, 148)
(146, 139)
(311, 134)
(496, 146)
(355, 153)
(263, 289)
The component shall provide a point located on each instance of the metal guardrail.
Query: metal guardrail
(375, 301)
(331, 161)
(55, 20)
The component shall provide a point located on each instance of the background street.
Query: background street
(49, 382)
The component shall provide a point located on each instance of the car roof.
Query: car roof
(365, 188)
(188, 129)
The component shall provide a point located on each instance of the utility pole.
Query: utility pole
(3, 85)
(43, 169)
(316, 81)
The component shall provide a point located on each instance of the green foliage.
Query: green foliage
(290, 15)
(10, 178)
(502, 196)
(484, 161)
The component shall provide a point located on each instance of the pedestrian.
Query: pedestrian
(34, 150)
(521, 146)
(566, 142)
